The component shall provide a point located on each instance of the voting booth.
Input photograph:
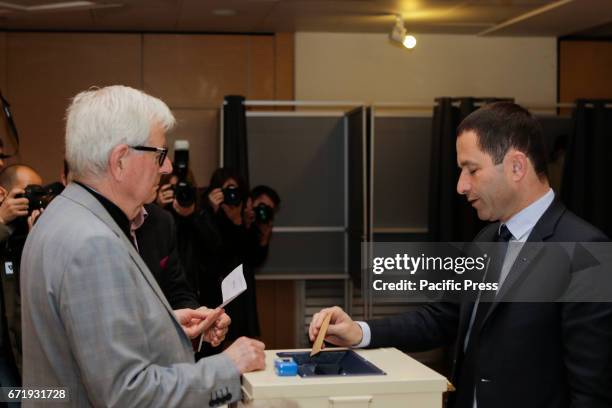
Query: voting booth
(343, 378)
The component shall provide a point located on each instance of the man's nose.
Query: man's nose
(463, 185)
(166, 167)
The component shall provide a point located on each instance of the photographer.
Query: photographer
(224, 243)
(176, 194)
(16, 221)
(261, 207)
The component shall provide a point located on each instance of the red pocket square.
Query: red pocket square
(164, 262)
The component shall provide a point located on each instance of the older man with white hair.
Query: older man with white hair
(94, 319)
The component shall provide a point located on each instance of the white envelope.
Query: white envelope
(232, 286)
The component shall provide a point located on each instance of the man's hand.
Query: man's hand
(12, 207)
(183, 211)
(194, 322)
(165, 195)
(215, 198)
(215, 334)
(342, 330)
(33, 217)
(247, 354)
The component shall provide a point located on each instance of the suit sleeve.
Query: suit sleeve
(425, 328)
(587, 341)
(118, 336)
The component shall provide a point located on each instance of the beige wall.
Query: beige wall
(366, 67)
(39, 72)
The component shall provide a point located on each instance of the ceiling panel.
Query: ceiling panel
(197, 15)
(504, 17)
(147, 15)
(65, 21)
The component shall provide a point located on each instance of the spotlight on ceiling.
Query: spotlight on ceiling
(399, 35)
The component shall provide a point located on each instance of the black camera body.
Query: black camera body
(231, 195)
(40, 196)
(184, 192)
(264, 214)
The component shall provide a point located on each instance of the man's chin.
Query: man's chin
(483, 215)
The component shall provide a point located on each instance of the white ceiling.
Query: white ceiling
(484, 17)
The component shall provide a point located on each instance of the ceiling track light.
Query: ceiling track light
(400, 36)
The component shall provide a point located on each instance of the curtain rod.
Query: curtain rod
(422, 105)
(400, 105)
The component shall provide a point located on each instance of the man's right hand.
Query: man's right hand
(165, 195)
(342, 330)
(12, 207)
(247, 354)
(215, 198)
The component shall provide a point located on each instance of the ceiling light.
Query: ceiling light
(398, 34)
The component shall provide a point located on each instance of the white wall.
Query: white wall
(368, 68)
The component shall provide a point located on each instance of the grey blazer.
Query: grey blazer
(95, 321)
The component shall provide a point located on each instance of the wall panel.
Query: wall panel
(195, 71)
(261, 67)
(284, 66)
(584, 70)
(201, 128)
(46, 69)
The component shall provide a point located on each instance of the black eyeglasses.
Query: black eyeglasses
(163, 152)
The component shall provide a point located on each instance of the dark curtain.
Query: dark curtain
(357, 228)
(585, 184)
(235, 147)
(451, 218)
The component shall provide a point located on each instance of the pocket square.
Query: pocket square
(164, 262)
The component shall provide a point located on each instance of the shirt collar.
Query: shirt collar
(521, 223)
(115, 212)
(139, 219)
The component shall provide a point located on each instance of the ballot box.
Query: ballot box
(376, 378)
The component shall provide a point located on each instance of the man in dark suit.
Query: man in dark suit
(156, 241)
(154, 235)
(508, 354)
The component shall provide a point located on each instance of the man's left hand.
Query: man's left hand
(215, 334)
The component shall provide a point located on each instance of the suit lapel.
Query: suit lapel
(544, 228)
(78, 194)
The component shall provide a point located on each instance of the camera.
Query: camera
(184, 192)
(231, 195)
(40, 196)
(264, 214)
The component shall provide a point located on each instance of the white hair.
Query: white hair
(100, 119)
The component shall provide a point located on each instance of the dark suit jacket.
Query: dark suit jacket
(157, 245)
(11, 353)
(544, 355)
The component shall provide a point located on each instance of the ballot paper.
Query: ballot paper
(231, 287)
(318, 344)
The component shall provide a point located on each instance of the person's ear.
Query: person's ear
(519, 164)
(117, 161)
(3, 193)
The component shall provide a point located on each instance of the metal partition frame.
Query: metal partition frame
(323, 108)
